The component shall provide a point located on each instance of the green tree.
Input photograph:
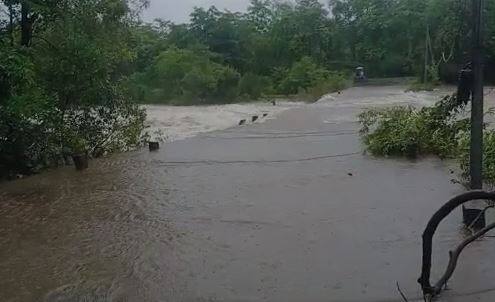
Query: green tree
(260, 15)
(63, 82)
(302, 75)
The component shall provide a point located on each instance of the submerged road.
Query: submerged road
(286, 210)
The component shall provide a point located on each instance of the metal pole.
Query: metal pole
(476, 156)
(425, 74)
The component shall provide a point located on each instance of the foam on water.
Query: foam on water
(179, 122)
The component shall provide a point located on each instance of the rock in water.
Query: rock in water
(254, 118)
(242, 122)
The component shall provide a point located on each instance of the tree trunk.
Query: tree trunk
(27, 20)
(425, 70)
(11, 24)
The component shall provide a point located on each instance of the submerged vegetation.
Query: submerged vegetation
(410, 132)
(439, 130)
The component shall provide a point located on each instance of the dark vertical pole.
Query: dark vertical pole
(11, 23)
(425, 71)
(473, 210)
(476, 156)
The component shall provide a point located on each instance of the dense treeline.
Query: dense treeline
(73, 71)
(281, 47)
(274, 48)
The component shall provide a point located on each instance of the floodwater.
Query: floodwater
(285, 210)
(172, 123)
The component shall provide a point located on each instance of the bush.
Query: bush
(253, 85)
(437, 130)
(170, 68)
(488, 157)
(309, 80)
(334, 82)
(197, 84)
(227, 84)
(406, 131)
(302, 75)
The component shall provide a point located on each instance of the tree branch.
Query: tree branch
(401, 293)
(470, 226)
(446, 209)
(454, 256)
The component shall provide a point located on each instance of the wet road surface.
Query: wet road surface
(287, 210)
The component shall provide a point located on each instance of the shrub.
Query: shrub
(407, 131)
(227, 84)
(334, 82)
(437, 130)
(253, 85)
(488, 157)
(197, 84)
(309, 80)
(302, 75)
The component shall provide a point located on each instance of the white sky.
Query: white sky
(178, 10)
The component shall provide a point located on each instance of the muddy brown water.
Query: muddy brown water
(288, 210)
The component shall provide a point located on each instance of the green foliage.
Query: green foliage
(488, 156)
(436, 130)
(185, 76)
(27, 115)
(71, 71)
(170, 68)
(411, 132)
(62, 91)
(295, 45)
(253, 85)
(302, 75)
(334, 82)
(310, 81)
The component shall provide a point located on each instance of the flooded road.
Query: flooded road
(173, 123)
(287, 210)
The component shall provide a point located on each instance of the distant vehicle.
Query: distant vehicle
(360, 75)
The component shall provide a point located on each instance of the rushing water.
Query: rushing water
(179, 122)
(105, 234)
(87, 233)
(249, 214)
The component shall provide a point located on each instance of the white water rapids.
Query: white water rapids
(178, 122)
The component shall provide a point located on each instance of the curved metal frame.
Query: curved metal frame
(444, 211)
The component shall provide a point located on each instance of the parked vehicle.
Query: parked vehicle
(360, 75)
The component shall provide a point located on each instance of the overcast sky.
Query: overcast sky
(178, 10)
